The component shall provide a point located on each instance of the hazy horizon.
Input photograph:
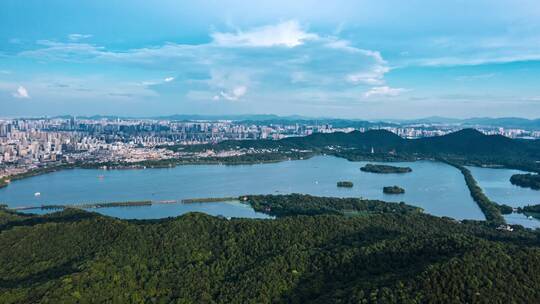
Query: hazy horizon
(370, 60)
(292, 116)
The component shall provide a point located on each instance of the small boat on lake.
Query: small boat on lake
(37, 194)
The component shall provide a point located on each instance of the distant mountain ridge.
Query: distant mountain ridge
(505, 122)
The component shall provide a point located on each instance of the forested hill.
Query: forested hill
(465, 141)
(468, 144)
(380, 255)
(355, 139)
(473, 142)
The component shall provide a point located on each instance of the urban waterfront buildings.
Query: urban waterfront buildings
(31, 143)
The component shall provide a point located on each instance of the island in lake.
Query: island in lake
(393, 190)
(385, 169)
(345, 184)
(526, 180)
(530, 211)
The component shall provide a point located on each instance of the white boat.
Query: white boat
(37, 194)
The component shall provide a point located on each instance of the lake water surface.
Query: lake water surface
(436, 187)
(496, 185)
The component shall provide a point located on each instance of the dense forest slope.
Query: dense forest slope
(385, 254)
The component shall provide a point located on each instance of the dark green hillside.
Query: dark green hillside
(356, 139)
(317, 141)
(465, 146)
(375, 257)
(470, 142)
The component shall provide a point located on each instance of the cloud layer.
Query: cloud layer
(369, 58)
(288, 34)
(384, 91)
(283, 56)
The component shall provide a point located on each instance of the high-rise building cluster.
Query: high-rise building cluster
(31, 143)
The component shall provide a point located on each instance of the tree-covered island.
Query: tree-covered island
(345, 184)
(526, 180)
(393, 190)
(385, 169)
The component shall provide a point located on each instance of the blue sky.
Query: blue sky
(352, 59)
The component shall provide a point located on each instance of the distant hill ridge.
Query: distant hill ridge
(506, 122)
(466, 142)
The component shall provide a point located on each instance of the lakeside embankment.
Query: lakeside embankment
(125, 204)
(491, 210)
(87, 205)
(209, 199)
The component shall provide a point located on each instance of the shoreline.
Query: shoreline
(233, 161)
(491, 210)
(141, 203)
(5, 181)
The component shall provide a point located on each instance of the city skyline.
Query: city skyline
(368, 60)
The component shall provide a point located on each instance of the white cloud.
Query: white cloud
(77, 37)
(286, 57)
(288, 34)
(71, 51)
(384, 91)
(50, 86)
(21, 93)
(235, 94)
(476, 60)
(373, 76)
(467, 51)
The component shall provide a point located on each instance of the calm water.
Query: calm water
(226, 209)
(438, 188)
(497, 186)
